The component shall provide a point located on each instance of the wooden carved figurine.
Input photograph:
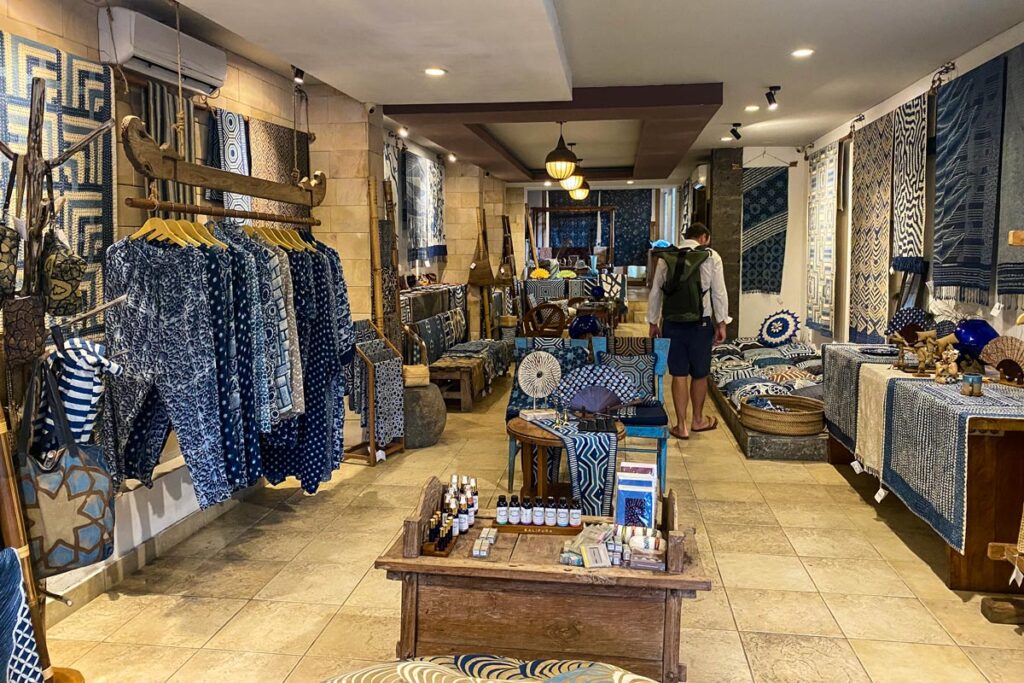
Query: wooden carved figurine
(946, 370)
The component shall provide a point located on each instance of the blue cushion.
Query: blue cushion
(639, 370)
(646, 415)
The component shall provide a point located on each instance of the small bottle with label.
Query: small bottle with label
(476, 494)
(514, 511)
(463, 515)
(526, 511)
(501, 516)
(575, 514)
(562, 517)
(538, 511)
(550, 513)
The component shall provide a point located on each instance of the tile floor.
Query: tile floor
(812, 580)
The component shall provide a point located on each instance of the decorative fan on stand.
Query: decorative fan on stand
(595, 389)
(538, 375)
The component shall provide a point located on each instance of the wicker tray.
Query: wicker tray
(806, 416)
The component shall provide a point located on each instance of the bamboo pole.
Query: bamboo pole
(376, 267)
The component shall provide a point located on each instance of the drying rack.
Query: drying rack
(367, 450)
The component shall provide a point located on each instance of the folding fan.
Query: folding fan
(1003, 348)
(595, 389)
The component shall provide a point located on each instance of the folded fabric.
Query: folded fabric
(19, 659)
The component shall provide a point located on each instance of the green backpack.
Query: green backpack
(684, 298)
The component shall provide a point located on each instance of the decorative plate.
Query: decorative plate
(779, 328)
(539, 373)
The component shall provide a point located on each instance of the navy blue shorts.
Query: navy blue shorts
(690, 351)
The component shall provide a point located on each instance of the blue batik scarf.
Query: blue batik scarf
(592, 461)
(1010, 271)
(765, 217)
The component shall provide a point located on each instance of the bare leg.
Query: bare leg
(681, 398)
(698, 392)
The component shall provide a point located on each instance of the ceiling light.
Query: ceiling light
(452, 158)
(435, 71)
(581, 192)
(702, 179)
(726, 138)
(560, 162)
(751, 107)
(773, 103)
(403, 132)
(735, 130)
(298, 75)
(630, 182)
(547, 183)
(802, 52)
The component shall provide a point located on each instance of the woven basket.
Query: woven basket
(805, 416)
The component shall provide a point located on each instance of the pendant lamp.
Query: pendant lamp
(576, 179)
(560, 162)
(581, 192)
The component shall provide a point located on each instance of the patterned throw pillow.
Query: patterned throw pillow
(726, 350)
(759, 389)
(754, 354)
(768, 361)
(747, 343)
(639, 369)
(779, 328)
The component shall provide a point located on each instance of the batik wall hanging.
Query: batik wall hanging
(871, 218)
(632, 224)
(233, 139)
(391, 325)
(765, 217)
(909, 166)
(393, 166)
(685, 208)
(275, 152)
(423, 209)
(1010, 271)
(572, 229)
(968, 135)
(821, 238)
(78, 98)
(160, 113)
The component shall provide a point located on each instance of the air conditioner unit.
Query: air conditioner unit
(150, 48)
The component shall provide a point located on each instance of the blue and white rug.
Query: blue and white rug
(841, 379)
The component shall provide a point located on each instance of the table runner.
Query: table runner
(765, 217)
(821, 237)
(871, 411)
(19, 661)
(1010, 268)
(969, 116)
(871, 219)
(841, 378)
(592, 461)
(925, 450)
(909, 168)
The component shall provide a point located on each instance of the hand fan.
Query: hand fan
(595, 389)
(1003, 348)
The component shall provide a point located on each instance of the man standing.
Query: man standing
(688, 295)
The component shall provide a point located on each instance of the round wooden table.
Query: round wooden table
(530, 436)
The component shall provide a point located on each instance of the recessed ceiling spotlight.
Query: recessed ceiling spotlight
(802, 52)
(452, 158)
(298, 75)
(630, 182)
(547, 183)
(435, 71)
(773, 103)
(735, 130)
(751, 107)
(726, 138)
(403, 132)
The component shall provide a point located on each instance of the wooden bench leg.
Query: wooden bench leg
(466, 390)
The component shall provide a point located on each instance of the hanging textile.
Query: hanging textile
(578, 230)
(391, 325)
(272, 150)
(233, 140)
(685, 208)
(632, 224)
(79, 96)
(871, 218)
(19, 658)
(393, 166)
(765, 217)
(1010, 271)
(909, 157)
(423, 209)
(592, 460)
(968, 134)
(160, 113)
(821, 238)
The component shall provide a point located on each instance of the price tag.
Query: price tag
(880, 496)
(381, 456)
(857, 467)
(1017, 576)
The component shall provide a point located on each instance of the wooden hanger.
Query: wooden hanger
(158, 229)
(188, 229)
(208, 236)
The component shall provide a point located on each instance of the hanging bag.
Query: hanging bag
(67, 492)
(10, 240)
(24, 329)
(62, 269)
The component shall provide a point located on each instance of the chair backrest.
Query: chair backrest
(661, 346)
(545, 320)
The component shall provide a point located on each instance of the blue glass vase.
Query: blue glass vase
(583, 326)
(972, 335)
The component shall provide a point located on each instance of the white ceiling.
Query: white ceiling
(599, 143)
(536, 50)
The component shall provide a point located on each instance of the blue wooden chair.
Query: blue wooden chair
(517, 400)
(648, 421)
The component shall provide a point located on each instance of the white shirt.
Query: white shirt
(712, 283)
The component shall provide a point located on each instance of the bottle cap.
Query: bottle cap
(501, 501)
(515, 500)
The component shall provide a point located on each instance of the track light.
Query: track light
(452, 158)
(403, 132)
(735, 130)
(773, 103)
(298, 75)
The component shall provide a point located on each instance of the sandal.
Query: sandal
(684, 437)
(713, 426)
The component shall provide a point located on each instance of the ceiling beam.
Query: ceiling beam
(487, 138)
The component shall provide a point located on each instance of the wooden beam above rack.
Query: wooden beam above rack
(156, 161)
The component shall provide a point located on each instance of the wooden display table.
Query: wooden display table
(520, 602)
(530, 436)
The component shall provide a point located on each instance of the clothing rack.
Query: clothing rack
(366, 450)
(150, 204)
